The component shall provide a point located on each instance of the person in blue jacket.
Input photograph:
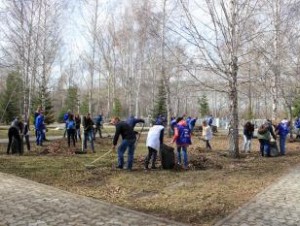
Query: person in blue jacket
(182, 137)
(210, 120)
(66, 117)
(297, 126)
(39, 126)
(173, 125)
(283, 129)
(71, 130)
(99, 121)
(188, 120)
(36, 114)
(192, 123)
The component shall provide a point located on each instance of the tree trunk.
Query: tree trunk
(163, 69)
(92, 64)
(233, 94)
(234, 134)
(276, 66)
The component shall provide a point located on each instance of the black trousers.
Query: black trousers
(14, 133)
(98, 129)
(207, 144)
(71, 134)
(152, 153)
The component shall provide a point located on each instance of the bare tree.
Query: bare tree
(220, 48)
(32, 31)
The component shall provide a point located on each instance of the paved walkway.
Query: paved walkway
(278, 205)
(24, 202)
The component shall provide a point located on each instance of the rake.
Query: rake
(91, 166)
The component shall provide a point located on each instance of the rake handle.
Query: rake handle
(97, 159)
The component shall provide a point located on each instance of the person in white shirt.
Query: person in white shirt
(207, 134)
(154, 141)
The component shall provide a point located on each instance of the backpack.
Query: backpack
(263, 128)
(71, 124)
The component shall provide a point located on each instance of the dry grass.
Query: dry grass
(214, 187)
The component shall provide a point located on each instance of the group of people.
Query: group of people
(72, 127)
(181, 126)
(19, 129)
(91, 128)
(267, 136)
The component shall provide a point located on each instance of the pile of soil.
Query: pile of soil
(58, 147)
(199, 159)
(202, 162)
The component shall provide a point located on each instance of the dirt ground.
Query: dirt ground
(212, 188)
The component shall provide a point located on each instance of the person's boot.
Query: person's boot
(146, 164)
(153, 166)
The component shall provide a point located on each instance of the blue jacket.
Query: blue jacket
(99, 120)
(188, 119)
(193, 122)
(132, 121)
(297, 123)
(39, 122)
(71, 124)
(173, 124)
(283, 128)
(66, 117)
(182, 134)
(210, 120)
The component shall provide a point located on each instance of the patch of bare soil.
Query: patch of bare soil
(60, 147)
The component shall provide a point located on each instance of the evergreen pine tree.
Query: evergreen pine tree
(84, 106)
(203, 106)
(71, 102)
(160, 107)
(117, 108)
(11, 98)
(296, 107)
(43, 99)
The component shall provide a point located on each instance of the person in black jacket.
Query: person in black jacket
(14, 132)
(88, 126)
(78, 123)
(248, 135)
(128, 141)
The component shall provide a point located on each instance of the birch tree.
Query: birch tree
(31, 29)
(219, 48)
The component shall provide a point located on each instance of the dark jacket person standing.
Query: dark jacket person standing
(14, 131)
(128, 141)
